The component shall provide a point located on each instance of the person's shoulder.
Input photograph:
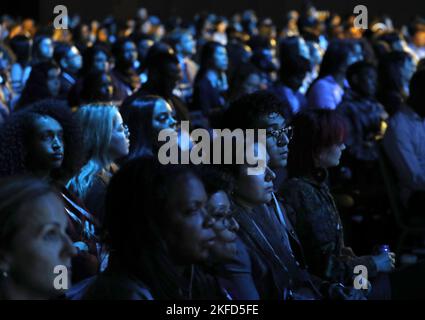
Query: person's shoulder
(111, 286)
(297, 188)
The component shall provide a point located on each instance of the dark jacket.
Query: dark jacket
(110, 286)
(319, 228)
(276, 271)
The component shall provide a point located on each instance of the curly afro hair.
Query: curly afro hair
(16, 133)
(246, 111)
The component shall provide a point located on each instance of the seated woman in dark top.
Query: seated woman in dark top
(43, 83)
(96, 60)
(157, 229)
(229, 259)
(125, 53)
(293, 71)
(394, 73)
(105, 139)
(320, 133)
(44, 140)
(33, 240)
(211, 81)
(247, 79)
(145, 117)
(96, 87)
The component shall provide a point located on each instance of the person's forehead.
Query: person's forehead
(271, 119)
(44, 210)
(47, 123)
(187, 189)
(162, 106)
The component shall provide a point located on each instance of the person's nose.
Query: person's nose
(209, 220)
(68, 247)
(270, 175)
(172, 122)
(284, 140)
(56, 144)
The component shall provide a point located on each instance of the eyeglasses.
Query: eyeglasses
(278, 134)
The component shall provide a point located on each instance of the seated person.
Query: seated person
(404, 145)
(364, 113)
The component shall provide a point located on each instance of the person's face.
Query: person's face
(255, 189)
(190, 235)
(47, 146)
(53, 81)
(74, 61)
(221, 60)
(252, 83)
(367, 82)
(120, 143)
(46, 48)
(100, 63)
(106, 88)
(129, 52)
(329, 157)
(187, 44)
(40, 244)
(225, 226)
(163, 117)
(277, 139)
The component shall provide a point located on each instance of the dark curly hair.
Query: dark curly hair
(216, 179)
(15, 135)
(244, 113)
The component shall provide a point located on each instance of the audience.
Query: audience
(78, 190)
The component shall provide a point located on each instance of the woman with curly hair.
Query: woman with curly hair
(44, 140)
(106, 140)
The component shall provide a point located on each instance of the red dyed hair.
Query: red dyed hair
(314, 130)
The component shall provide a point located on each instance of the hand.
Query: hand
(385, 262)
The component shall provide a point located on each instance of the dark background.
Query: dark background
(42, 10)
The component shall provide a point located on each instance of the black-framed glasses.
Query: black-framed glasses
(278, 133)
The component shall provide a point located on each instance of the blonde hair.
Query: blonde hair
(97, 121)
